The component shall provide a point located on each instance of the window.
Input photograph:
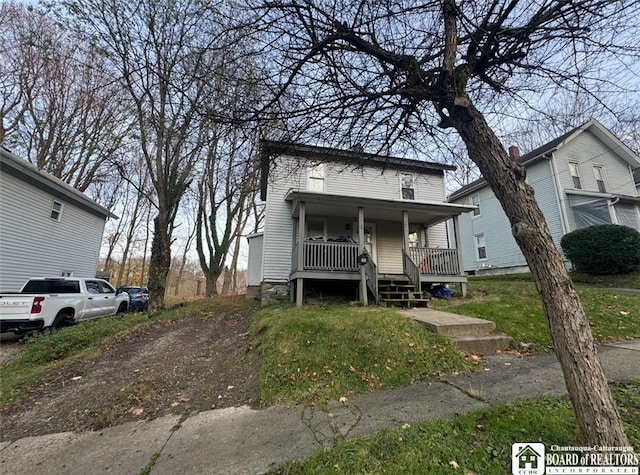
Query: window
(106, 288)
(93, 287)
(575, 175)
(56, 210)
(414, 239)
(481, 247)
(598, 171)
(316, 177)
(475, 201)
(407, 185)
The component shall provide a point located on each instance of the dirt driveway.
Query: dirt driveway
(195, 363)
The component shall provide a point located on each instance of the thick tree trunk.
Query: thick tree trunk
(211, 288)
(160, 264)
(573, 342)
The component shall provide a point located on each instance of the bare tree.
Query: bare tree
(165, 54)
(227, 188)
(394, 71)
(61, 108)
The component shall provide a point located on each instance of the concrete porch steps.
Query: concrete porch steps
(473, 335)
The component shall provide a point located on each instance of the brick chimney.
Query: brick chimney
(514, 152)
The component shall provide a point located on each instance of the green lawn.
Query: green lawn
(475, 443)
(317, 353)
(515, 306)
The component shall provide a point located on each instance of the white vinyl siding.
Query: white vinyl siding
(278, 223)
(374, 183)
(254, 265)
(32, 244)
(290, 174)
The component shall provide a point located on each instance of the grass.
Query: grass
(318, 353)
(475, 443)
(47, 351)
(628, 281)
(513, 303)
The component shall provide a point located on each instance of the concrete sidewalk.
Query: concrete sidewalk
(245, 441)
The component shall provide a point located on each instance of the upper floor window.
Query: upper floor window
(598, 171)
(56, 210)
(317, 174)
(481, 247)
(475, 201)
(407, 184)
(575, 175)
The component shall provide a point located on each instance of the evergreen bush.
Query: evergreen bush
(603, 250)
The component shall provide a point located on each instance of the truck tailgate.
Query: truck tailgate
(15, 306)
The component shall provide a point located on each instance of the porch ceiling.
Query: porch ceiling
(326, 204)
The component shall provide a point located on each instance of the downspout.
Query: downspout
(564, 220)
(612, 211)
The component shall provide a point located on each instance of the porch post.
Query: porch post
(302, 218)
(456, 232)
(405, 231)
(363, 276)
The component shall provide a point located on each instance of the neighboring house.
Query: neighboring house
(353, 218)
(47, 228)
(582, 178)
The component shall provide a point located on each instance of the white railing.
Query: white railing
(327, 256)
(435, 261)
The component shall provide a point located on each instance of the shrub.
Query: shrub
(603, 250)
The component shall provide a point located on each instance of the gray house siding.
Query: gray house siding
(588, 151)
(373, 182)
(291, 173)
(278, 241)
(33, 244)
(254, 270)
(549, 173)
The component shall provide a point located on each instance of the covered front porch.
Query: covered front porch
(367, 240)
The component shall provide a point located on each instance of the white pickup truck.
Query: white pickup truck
(58, 301)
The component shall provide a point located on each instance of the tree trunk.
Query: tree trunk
(211, 289)
(160, 263)
(573, 342)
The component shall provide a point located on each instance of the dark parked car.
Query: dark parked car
(138, 297)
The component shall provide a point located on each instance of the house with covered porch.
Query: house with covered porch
(375, 224)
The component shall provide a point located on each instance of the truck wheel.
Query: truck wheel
(122, 308)
(62, 320)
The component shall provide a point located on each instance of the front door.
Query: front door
(369, 239)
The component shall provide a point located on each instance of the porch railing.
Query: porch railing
(411, 270)
(327, 256)
(435, 261)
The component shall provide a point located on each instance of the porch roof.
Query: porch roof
(327, 204)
